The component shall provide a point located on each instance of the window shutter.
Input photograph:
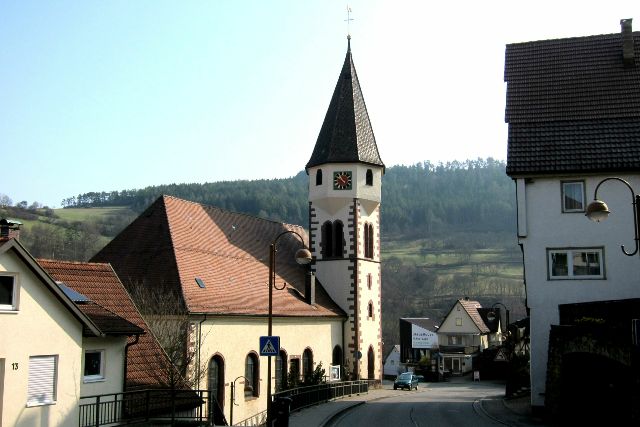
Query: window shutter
(42, 380)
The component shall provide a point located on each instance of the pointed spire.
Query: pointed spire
(346, 135)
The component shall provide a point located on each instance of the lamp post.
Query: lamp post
(247, 387)
(303, 256)
(599, 211)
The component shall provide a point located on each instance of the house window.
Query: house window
(454, 340)
(8, 293)
(319, 177)
(252, 375)
(369, 178)
(458, 321)
(43, 372)
(573, 196)
(93, 365)
(576, 263)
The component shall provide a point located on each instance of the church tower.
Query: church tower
(345, 176)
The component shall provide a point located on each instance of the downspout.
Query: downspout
(524, 280)
(126, 360)
(355, 288)
(199, 346)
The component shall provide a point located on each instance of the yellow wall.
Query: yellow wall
(41, 326)
(113, 348)
(234, 337)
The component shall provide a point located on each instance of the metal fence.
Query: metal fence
(144, 405)
(302, 397)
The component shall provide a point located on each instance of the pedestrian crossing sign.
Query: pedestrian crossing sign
(269, 346)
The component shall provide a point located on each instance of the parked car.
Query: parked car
(406, 380)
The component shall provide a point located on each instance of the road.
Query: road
(433, 404)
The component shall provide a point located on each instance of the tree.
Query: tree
(5, 201)
(170, 323)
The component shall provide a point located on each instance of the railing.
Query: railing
(306, 396)
(259, 419)
(137, 406)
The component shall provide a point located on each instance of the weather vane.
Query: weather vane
(349, 18)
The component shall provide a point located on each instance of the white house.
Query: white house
(52, 349)
(392, 362)
(573, 109)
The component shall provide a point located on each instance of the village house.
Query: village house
(56, 345)
(573, 110)
(465, 332)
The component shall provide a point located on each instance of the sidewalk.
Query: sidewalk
(510, 412)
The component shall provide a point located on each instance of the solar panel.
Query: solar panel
(72, 294)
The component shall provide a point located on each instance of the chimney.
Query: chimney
(310, 288)
(628, 54)
(9, 228)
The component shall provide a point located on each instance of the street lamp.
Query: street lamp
(247, 387)
(303, 256)
(492, 314)
(599, 211)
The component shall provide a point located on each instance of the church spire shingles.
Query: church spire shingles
(346, 135)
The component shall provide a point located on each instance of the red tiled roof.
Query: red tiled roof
(471, 307)
(99, 283)
(176, 241)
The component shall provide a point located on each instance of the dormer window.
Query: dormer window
(369, 180)
(319, 177)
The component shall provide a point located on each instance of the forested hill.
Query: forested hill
(418, 200)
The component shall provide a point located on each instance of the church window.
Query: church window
(369, 280)
(319, 177)
(281, 370)
(307, 363)
(327, 240)
(369, 177)
(370, 310)
(216, 378)
(336, 357)
(332, 239)
(368, 241)
(252, 375)
(339, 238)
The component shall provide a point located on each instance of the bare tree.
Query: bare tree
(169, 321)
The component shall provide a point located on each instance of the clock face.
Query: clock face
(342, 180)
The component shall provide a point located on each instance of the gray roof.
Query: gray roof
(573, 106)
(346, 135)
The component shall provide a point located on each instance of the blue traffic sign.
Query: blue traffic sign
(269, 346)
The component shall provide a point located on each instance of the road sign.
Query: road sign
(269, 346)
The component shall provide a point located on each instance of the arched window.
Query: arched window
(370, 310)
(319, 177)
(307, 363)
(216, 379)
(336, 357)
(371, 369)
(338, 229)
(327, 240)
(368, 241)
(252, 375)
(369, 177)
(281, 370)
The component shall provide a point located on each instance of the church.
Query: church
(214, 265)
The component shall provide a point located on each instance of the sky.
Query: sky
(113, 95)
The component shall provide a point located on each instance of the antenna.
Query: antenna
(349, 18)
